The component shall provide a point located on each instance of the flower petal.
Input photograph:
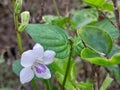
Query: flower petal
(26, 75)
(42, 71)
(48, 56)
(27, 58)
(38, 51)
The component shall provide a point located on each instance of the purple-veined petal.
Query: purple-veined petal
(41, 71)
(38, 50)
(26, 75)
(48, 56)
(27, 58)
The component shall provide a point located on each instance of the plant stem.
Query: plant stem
(107, 18)
(16, 28)
(116, 12)
(68, 67)
(18, 34)
(56, 8)
(34, 85)
(48, 84)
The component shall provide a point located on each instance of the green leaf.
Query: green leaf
(88, 53)
(115, 49)
(106, 83)
(107, 6)
(50, 37)
(115, 71)
(108, 27)
(96, 3)
(91, 56)
(84, 85)
(59, 64)
(77, 46)
(68, 84)
(16, 67)
(55, 20)
(96, 39)
(83, 17)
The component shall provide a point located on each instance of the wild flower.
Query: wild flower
(34, 62)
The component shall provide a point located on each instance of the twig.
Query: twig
(116, 12)
(56, 8)
(107, 18)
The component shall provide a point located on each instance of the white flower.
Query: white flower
(34, 62)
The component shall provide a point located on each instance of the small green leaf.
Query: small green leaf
(49, 18)
(96, 39)
(77, 46)
(83, 17)
(91, 56)
(50, 37)
(106, 83)
(55, 20)
(16, 66)
(96, 3)
(84, 85)
(18, 6)
(108, 27)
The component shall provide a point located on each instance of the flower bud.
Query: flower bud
(25, 16)
(18, 6)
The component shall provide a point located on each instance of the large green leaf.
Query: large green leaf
(83, 17)
(108, 27)
(16, 66)
(96, 39)
(91, 56)
(95, 2)
(50, 37)
(60, 67)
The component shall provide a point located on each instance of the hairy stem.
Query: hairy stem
(16, 28)
(68, 67)
(56, 8)
(19, 41)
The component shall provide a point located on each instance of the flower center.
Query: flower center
(38, 67)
